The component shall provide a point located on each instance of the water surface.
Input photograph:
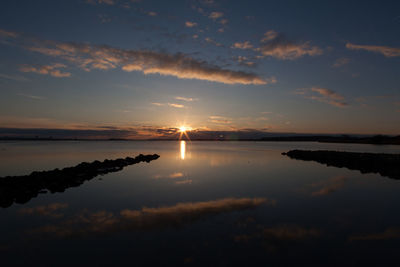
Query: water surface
(201, 203)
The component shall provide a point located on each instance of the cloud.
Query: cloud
(389, 234)
(175, 105)
(323, 95)
(107, 2)
(158, 104)
(152, 13)
(283, 233)
(177, 215)
(340, 62)
(89, 57)
(17, 78)
(216, 15)
(31, 96)
(190, 24)
(211, 41)
(187, 99)
(224, 21)
(384, 50)
(269, 36)
(329, 186)
(102, 57)
(52, 70)
(220, 120)
(174, 175)
(244, 45)
(276, 45)
(290, 232)
(46, 210)
(4, 33)
(245, 62)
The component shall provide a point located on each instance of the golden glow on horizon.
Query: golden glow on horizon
(183, 149)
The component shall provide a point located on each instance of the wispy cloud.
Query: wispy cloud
(340, 62)
(107, 2)
(4, 33)
(244, 45)
(244, 61)
(52, 70)
(148, 218)
(323, 95)
(31, 96)
(216, 15)
(211, 41)
(157, 104)
(329, 186)
(17, 78)
(224, 21)
(152, 13)
(174, 175)
(278, 46)
(384, 50)
(389, 234)
(174, 105)
(89, 57)
(51, 210)
(190, 24)
(220, 120)
(187, 99)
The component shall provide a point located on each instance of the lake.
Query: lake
(201, 204)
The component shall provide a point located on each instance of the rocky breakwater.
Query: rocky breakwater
(385, 164)
(20, 189)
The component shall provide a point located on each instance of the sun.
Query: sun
(183, 129)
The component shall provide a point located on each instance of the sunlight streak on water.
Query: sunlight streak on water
(183, 149)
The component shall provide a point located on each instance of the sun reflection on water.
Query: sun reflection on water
(183, 149)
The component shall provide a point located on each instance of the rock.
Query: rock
(385, 164)
(21, 189)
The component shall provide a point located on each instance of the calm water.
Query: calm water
(202, 203)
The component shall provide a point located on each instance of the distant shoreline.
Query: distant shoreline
(345, 139)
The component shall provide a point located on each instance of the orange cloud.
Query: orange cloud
(89, 57)
(148, 218)
(47, 210)
(340, 62)
(244, 45)
(216, 15)
(329, 186)
(190, 24)
(47, 70)
(276, 45)
(323, 95)
(175, 105)
(384, 50)
(211, 41)
(5, 33)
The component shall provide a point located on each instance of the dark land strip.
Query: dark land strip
(21, 189)
(387, 165)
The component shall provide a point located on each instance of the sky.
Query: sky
(142, 68)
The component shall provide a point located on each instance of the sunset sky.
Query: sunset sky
(142, 68)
